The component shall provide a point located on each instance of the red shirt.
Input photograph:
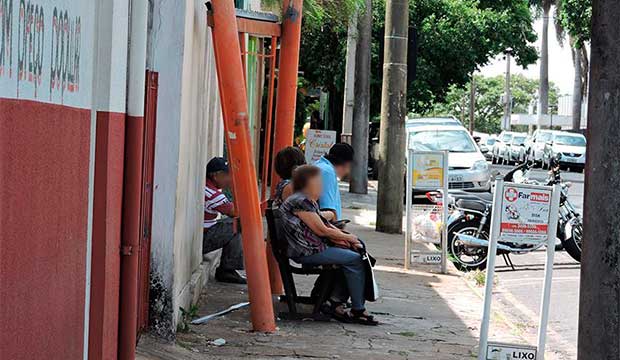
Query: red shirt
(215, 204)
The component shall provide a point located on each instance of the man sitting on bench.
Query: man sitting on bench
(220, 232)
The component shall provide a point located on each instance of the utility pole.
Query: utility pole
(508, 94)
(349, 77)
(599, 305)
(472, 104)
(393, 112)
(361, 110)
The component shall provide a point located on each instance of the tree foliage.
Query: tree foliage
(575, 17)
(455, 38)
(489, 109)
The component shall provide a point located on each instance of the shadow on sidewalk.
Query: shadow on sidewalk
(423, 316)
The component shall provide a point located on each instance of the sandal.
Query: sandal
(337, 312)
(363, 318)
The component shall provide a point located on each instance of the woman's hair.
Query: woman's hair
(303, 174)
(287, 160)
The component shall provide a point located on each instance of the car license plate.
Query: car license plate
(455, 178)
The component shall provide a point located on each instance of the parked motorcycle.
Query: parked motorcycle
(470, 219)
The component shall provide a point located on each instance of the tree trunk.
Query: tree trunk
(393, 113)
(472, 104)
(599, 310)
(361, 110)
(577, 95)
(349, 77)
(543, 90)
(508, 95)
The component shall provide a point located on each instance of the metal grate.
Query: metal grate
(461, 185)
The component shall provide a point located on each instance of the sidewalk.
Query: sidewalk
(423, 314)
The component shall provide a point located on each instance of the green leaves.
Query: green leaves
(489, 108)
(575, 16)
(455, 38)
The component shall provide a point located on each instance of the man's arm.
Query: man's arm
(328, 199)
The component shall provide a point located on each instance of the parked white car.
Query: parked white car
(569, 148)
(535, 146)
(468, 169)
(499, 148)
(516, 149)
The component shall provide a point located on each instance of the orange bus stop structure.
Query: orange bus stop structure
(227, 30)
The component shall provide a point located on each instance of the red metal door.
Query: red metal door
(146, 203)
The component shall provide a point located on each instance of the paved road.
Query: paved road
(518, 292)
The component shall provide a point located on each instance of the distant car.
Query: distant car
(468, 169)
(535, 145)
(486, 147)
(499, 148)
(569, 148)
(516, 149)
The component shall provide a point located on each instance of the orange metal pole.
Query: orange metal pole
(235, 112)
(267, 157)
(274, 270)
(287, 78)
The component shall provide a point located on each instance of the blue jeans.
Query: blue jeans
(352, 266)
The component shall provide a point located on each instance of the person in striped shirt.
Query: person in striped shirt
(219, 223)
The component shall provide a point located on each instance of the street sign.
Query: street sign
(520, 214)
(525, 214)
(428, 171)
(318, 143)
(428, 258)
(502, 351)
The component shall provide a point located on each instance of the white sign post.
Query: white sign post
(522, 214)
(429, 170)
(318, 143)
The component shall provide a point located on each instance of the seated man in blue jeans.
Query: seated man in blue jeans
(336, 164)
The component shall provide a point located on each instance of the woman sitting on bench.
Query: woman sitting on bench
(287, 160)
(312, 240)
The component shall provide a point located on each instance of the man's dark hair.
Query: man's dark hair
(340, 154)
(287, 160)
(302, 174)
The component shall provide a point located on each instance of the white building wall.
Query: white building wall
(189, 132)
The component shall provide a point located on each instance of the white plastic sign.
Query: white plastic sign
(501, 351)
(525, 214)
(318, 143)
(426, 170)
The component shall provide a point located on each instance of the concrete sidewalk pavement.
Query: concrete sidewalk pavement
(423, 314)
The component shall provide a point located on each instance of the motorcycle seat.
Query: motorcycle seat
(481, 196)
(472, 204)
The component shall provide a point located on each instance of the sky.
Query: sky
(560, 62)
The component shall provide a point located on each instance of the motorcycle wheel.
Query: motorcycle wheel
(464, 257)
(573, 244)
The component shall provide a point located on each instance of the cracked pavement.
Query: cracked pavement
(423, 315)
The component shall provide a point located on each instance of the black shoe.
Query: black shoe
(229, 276)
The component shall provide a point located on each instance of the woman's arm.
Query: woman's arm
(317, 226)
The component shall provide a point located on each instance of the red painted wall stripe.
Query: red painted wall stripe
(44, 158)
(107, 207)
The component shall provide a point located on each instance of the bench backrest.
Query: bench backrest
(279, 244)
